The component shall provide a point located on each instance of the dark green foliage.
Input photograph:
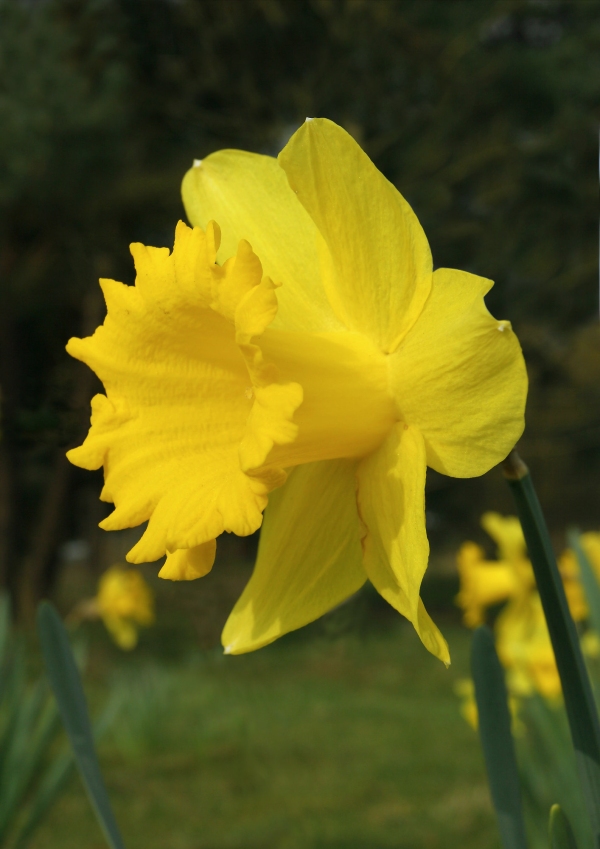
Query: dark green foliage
(580, 707)
(496, 739)
(548, 770)
(30, 780)
(67, 688)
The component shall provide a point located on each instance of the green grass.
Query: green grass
(338, 743)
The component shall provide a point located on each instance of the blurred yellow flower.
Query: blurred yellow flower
(364, 368)
(522, 637)
(525, 650)
(124, 602)
(483, 583)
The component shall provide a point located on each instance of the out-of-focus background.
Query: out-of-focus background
(484, 114)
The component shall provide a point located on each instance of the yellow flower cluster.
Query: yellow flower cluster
(522, 638)
(306, 355)
(124, 602)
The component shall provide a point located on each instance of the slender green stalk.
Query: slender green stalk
(68, 690)
(496, 739)
(577, 692)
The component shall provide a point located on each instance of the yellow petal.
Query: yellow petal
(525, 649)
(391, 500)
(248, 194)
(459, 376)
(124, 594)
(507, 533)
(309, 557)
(123, 632)
(482, 583)
(377, 266)
(187, 564)
(179, 360)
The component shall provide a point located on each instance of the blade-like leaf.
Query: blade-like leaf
(588, 579)
(561, 833)
(55, 780)
(30, 737)
(53, 783)
(496, 739)
(4, 625)
(66, 685)
(13, 698)
(577, 690)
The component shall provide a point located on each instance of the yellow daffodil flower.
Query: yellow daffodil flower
(327, 397)
(522, 637)
(124, 602)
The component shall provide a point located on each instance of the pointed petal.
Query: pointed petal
(459, 376)
(248, 194)
(379, 273)
(309, 558)
(391, 501)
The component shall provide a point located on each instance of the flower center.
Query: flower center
(347, 410)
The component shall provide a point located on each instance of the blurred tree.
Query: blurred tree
(483, 114)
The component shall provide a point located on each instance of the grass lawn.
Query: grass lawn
(339, 743)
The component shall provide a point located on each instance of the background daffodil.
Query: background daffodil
(326, 398)
(125, 603)
(522, 637)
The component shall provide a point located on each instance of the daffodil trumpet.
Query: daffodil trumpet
(577, 691)
(296, 351)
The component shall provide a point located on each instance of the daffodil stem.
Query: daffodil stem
(577, 691)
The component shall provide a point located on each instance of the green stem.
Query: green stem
(577, 692)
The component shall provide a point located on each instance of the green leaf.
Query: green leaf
(55, 779)
(577, 691)
(561, 833)
(4, 625)
(49, 790)
(36, 724)
(588, 579)
(496, 739)
(68, 690)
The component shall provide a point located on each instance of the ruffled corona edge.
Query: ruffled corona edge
(192, 408)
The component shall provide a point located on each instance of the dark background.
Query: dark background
(484, 113)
